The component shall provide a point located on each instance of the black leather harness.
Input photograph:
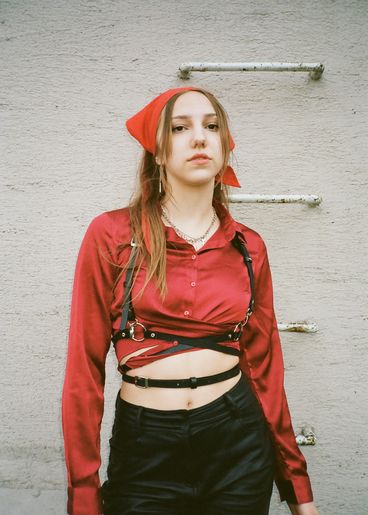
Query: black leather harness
(207, 342)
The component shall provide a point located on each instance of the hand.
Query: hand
(307, 508)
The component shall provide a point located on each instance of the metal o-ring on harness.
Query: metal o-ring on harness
(132, 331)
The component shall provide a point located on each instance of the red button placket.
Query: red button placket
(190, 288)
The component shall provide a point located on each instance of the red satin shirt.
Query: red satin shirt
(208, 293)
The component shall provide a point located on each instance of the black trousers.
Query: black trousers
(217, 459)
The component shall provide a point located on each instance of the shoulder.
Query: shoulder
(114, 225)
(253, 240)
(109, 233)
(257, 249)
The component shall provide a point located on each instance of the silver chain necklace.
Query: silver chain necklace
(187, 238)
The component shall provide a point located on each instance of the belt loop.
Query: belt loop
(116, 413)
(117, 399)
(232, 405)
(138, 419)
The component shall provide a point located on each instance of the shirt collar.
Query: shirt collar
(229, 226)
(225, 233)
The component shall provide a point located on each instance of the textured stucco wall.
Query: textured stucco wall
(71, 73)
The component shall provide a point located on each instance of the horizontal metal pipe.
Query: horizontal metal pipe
(312, 200)
(298, 327)
(315, 69)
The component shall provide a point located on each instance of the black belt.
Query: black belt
(191, 382)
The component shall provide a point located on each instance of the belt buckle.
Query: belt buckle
(138, 385)
(193, 382)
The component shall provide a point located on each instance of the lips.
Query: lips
(199, 161)
(198, 157)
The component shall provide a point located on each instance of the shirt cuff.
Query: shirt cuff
(296, 491)
(84, 500)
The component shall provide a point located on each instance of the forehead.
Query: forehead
(192, 103)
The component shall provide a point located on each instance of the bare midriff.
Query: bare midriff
(203, 362)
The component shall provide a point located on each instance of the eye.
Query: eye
(178, 128)
(213, 126)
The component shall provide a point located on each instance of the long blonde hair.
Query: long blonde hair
(148, 230)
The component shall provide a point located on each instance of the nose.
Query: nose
(199, 135)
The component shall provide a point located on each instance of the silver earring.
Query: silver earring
(161, 172)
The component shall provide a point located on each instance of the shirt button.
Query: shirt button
(186, 313)
(193, 284)
(194, 256)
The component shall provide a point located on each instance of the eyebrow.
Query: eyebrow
(185, 116)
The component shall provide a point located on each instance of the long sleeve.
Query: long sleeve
(88, 344)
(262, 362)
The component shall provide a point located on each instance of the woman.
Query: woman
(185, 294)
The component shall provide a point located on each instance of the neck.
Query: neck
(189, 204)
(191, 213)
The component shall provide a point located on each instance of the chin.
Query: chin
(202, 178)
(201, 182)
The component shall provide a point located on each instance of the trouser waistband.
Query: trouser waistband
(238, 400)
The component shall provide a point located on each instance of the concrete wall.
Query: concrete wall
(71, 73)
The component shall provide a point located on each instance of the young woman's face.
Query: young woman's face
(194, 131)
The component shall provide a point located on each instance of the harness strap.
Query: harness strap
(127, 306)
(203, 343)
(238, 243)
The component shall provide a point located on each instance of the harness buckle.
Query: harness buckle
(238, 329)
(247, 315)
(132, 331)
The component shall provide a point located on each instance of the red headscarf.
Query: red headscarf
(143, 127)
